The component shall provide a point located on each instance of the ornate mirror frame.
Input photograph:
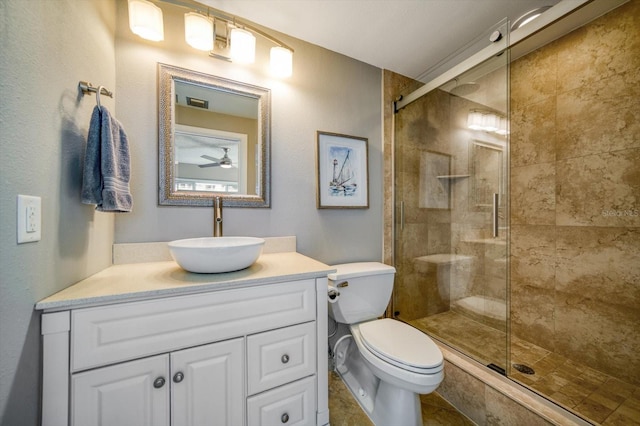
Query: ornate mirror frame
(168, 195)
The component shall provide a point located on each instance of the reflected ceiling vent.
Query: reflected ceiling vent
(198, 103)
(528, 17)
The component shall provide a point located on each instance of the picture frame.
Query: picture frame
(342, 171)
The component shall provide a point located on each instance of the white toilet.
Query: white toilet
(385, 363)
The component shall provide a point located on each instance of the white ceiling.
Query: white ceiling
(409, 37)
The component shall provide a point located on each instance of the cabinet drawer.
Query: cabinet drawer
(280, 356)
(114, 333)
(288, 405)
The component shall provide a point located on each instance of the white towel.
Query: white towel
(105, 180)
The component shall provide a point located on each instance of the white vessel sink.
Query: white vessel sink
(216, 254)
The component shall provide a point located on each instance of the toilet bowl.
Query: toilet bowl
(385, 363)
(399, 354)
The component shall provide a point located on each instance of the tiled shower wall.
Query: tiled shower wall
(575, 195)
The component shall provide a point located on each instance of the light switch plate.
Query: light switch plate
(29, 223)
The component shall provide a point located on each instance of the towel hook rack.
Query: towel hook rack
(100, 90)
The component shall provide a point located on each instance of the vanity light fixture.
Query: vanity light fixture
(243, 46)
(487, 122)
(145, 20)
(198, 31)
(213, 31)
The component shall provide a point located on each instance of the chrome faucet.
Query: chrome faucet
(217, 217)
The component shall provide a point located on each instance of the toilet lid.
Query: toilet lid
(400, 344)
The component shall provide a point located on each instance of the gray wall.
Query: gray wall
(47, 48)
(328, 92)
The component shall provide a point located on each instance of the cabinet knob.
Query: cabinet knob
(285, 358)
(284, 418)
(178, 377)
(158, 383)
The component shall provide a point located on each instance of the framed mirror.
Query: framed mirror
(214, 140)
(486, 167)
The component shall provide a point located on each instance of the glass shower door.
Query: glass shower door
(451, 188)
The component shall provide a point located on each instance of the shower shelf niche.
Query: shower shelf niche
(452, 176)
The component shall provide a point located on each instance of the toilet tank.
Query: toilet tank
(365, 290)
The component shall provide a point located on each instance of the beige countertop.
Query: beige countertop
(137, 281)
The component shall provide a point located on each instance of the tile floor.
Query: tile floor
(587, 392)
(345, 411)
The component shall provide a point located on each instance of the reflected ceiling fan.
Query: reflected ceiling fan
(224, 162)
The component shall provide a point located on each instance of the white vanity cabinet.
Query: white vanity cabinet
(197, 386)
(236, 355)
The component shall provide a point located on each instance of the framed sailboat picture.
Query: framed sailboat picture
(342, 172)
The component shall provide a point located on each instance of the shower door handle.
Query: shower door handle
(494, 215)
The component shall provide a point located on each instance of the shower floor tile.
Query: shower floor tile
(581, 389)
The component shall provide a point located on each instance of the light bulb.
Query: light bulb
(490, 122)
(281, 62)
(474, 120)
(503, 127)
(243, 46)
(198, 31)
(145, 20)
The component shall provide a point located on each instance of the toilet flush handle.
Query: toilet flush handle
(333, 294)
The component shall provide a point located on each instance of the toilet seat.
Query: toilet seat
(399, 374)
(401, 345)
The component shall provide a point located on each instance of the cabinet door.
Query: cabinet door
(208, 385)
(132, 393)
